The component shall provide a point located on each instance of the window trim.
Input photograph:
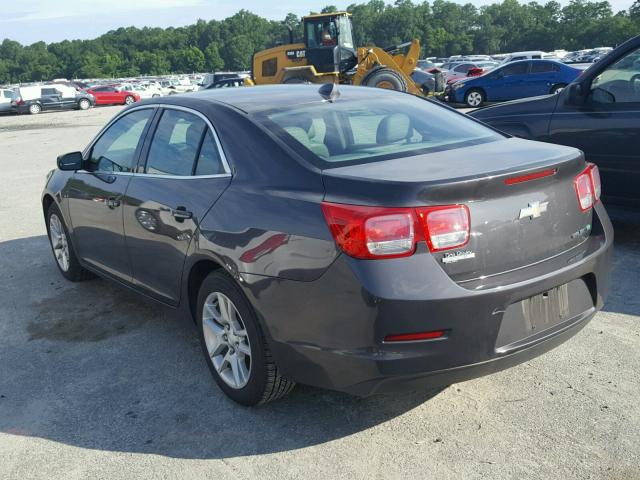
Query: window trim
(157, 107)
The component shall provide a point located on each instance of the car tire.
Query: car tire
(62, 248)
(229, 333)
(385, 78)
(128, 100)
(556, 88)
(35, 108)
(84, 104)
(474, 98)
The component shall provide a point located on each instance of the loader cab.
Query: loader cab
(329, 43)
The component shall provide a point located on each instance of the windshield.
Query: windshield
(358, 131)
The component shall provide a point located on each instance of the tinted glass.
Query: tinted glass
(357, 131)
(515, 69)
(8, 94)
(543, 67)
(321, 33)
(175, 144)
(49, 91)
(619, 83)
(115, 150)
(209, 161)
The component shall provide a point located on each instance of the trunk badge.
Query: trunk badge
(534, 210)
(452, 257)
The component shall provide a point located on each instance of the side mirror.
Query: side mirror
(574, 94)
(70, 161)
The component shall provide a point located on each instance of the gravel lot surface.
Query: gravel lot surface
(97, 383)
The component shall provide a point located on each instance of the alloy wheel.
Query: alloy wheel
(226, 339)
(474, 99)
(59, 242)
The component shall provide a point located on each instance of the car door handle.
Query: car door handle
(181, 213)
(113, 203)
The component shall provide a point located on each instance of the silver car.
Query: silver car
(5, 100)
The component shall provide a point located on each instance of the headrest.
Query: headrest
(393, 128)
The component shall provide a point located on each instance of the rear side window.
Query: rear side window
(183, 145)
(543, 67)
(357, 131)
(209, 161)
(175, 144)
(115, 150)
(49, 91)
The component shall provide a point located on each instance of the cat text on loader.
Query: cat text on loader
(329, 56)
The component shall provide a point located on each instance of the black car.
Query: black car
(361, 240)
(40, 98)
(597, 113)
(226, 83)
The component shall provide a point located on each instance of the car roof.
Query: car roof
(267, 97)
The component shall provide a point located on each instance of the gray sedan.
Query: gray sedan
(359, 239)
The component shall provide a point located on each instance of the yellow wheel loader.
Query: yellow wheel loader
(328, 55)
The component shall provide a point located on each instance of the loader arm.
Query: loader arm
(374, 57)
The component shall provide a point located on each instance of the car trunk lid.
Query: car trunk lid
(516, 220)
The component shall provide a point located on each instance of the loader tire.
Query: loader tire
(385, 78)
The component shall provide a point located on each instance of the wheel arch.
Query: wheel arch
(47, 200)
(197, 273)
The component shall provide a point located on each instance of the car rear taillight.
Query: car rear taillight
(588, 188)
(19, 101)
(445, 227)
(380, 232)
(371, 232)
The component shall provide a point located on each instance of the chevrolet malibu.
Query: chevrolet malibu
(360, 240)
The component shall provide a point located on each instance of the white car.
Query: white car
(145, 91)
(531, 55)
(5, 99)
(173, 86)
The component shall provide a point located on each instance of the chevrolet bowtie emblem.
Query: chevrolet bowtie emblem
(534, 210)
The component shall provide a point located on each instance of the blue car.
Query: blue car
(524, 78)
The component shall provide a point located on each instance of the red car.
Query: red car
(111, 94)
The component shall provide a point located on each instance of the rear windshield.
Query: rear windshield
(357, 131)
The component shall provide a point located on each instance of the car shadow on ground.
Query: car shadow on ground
(95, 366)
(623, 297)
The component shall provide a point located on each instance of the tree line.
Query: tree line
(443, 27)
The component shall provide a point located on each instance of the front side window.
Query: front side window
(176, 144)
(115, 150)
(515, 69)
(357, 131)
(620, 82)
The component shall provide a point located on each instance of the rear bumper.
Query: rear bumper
(329, 333)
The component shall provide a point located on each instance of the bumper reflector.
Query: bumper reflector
(413, 337)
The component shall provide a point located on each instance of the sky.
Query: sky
(29, 21)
